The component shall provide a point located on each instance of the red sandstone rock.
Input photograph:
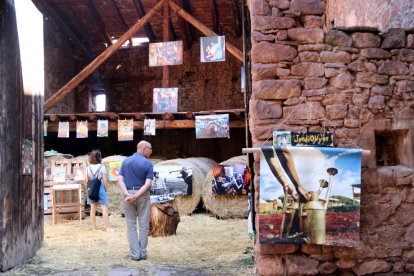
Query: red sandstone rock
(308, 69)
(276, 89)
(342, 80)
(258, 37)
(374, 266)
(312, 21)
(275, 248)
(308, 6)
(306, 35)
(335, 57)
(348, 122)
(393, 68)
(365, 40)
(375, 53)
(309, 57)
(301, 265)
(314, 83)
(405, 86)
(404, 54)
(314, 47)
(265, 109)
(264, 71)
(342, 264)
(269, 265)
(280, 4)
(338, 111)
(281, 35)
(260, 23)
(265, 52)
(259, 7)
(327, 268)
(337, 38)
(313, 93)
(385, 90)
(394, 38)
(309, 110)
(372, 78)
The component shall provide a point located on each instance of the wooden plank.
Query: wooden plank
(49, 11)
(205, 30)
(59, 95)
(99, 22)
(147, 27)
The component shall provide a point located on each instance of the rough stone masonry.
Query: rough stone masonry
(359, 84)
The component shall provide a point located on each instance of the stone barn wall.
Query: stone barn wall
(358, 85)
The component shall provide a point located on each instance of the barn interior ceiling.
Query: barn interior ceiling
(93, 25)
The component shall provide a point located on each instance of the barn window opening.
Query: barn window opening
(390, 147)
(97, 101)
(136, 41)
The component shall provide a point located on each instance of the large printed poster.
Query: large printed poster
(212, 48)
(212, 126)
(166, 53)
(306, 195)
(230, 180)
(165, 100)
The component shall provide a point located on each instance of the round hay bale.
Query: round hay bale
(156, 161)
(225, 206)
(203, 163)
(186, 203)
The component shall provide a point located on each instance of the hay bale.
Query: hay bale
(203, 163)
(156, 160)
(187, 204)
(225, 206)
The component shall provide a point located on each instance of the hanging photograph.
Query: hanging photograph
(307, 204)
(27, 157)
(126, 130)
(149, 127)
(81, 129)
(114, 167)
(172, 180)
(102, 128)
(59, 174)
(63, 131)
(166, 53)
(212, 126)
(282, 138)
(45, 126)
(230, 179)
(212, 48)
(165, 100)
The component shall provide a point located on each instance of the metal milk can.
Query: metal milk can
(290, 222)
(314, 217)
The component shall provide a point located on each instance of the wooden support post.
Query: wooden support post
(58, 96)
(165, 37)
(205, 30)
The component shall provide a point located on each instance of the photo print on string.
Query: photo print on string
(212, 126)
(149, 127)
(172, 180)
(166, 53)
(165, 100)
(114, 167)
(126, 130)
(102, 128)
(81, 129)
(212, 48)
(230, 179)
(63, 131)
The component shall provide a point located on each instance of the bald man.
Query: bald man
(135, 180)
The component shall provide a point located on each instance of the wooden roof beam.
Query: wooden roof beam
(48, 11)
(193, 31)
(237, 20)
(121, 18)
(205, 30)
(214, 16)
(59, 95)
(147, 27)
(99, 22)
(187, 39)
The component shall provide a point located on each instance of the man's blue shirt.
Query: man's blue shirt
(135, 170)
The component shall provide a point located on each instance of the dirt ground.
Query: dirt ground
(203, 245)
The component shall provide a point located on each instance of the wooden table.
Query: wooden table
(66, 195)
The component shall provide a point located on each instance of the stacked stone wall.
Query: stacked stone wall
(355, 84)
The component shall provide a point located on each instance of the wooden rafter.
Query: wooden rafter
(187, 39)
(121, 18)
(214, 16)
(205, 30)
(193, 31)
(147, 27)
(59, 95)
(99, 22)
(72, 36)
(236, 19)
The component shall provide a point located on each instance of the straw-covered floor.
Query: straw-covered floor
(203, 245)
